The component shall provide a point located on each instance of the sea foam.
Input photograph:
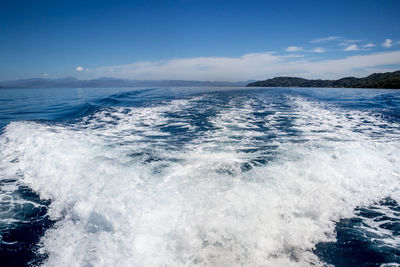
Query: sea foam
(259, 185)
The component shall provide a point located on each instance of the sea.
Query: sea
(199, 177)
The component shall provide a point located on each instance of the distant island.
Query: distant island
(387, 80)
(71, 82)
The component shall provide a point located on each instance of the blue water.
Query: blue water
(199, 176)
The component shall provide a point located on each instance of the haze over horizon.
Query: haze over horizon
(198, 40)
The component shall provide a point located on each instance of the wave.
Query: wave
(202, 181)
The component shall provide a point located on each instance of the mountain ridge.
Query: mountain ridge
(386, 80)
(110, 82)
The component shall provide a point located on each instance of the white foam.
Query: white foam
(194, 205)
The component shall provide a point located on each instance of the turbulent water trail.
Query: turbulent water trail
(204, 181)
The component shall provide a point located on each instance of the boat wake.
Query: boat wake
(207, 181)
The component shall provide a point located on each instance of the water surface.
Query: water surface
(199, 177)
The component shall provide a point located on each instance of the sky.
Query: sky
(219, 40)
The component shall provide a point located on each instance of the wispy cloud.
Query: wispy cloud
(250, 66)
(387, 43)
(325, 39)
(354, 41)
(318, 50)
(353, 47)
(369, 45)
(294, 49)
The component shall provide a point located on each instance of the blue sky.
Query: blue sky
(201, 40)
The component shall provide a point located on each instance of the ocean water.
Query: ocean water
(199, 177)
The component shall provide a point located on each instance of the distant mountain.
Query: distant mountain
(389, 80)
(109, 82)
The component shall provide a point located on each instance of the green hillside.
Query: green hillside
(389, 80)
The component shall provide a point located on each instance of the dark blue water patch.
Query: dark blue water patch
(20, 238)
(388, 99)
(358, 243)
(391, 115)
(128, 98)
(76, 112)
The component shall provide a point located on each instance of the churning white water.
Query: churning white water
(253, 184)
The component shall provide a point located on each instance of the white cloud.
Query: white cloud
(301, 49)
(294, 49)
(369, 45)
(318, 50)
(45, 75)
(353, 47)
(398, 42)
(293, 56)
(349, 42)
(353, 41)
(388, 43)
(325, 39)
(80, 68)
(250, 66)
